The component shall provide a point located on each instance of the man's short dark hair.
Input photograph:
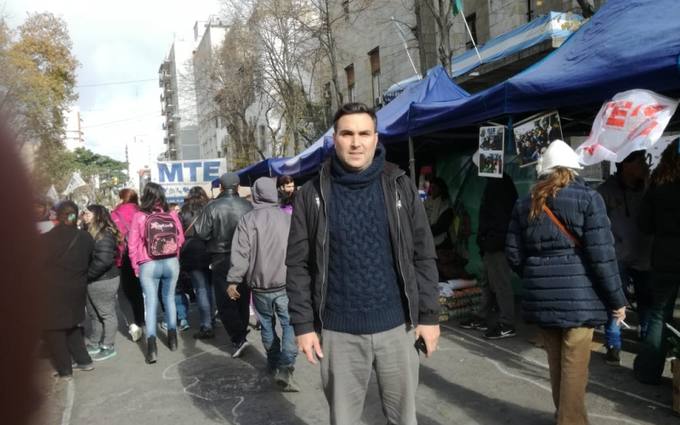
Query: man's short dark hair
(354, 108)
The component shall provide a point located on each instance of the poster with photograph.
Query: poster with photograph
(491, 144)
(533, 136)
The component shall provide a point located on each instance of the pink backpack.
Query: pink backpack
(161, 235)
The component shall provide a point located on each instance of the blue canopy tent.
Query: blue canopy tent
(393, 118)
(392, 127)
(551, 26)
(252, 172)
(627, 44)
(307, 161)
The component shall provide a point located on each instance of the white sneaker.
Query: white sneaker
(135, 332)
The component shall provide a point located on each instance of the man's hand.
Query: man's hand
(619, 315)
(309, 344)
(430, 334)
(232, 291)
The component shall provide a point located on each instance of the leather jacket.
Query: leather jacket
(412, 245)
(219, 219)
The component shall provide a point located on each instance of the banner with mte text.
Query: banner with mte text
(178, 177)
(633, 120)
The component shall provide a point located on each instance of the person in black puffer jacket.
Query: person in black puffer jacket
(660, 217)
(68, 253)
(560, 243)
(104, 279)
(195, 260)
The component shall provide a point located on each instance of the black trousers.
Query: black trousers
(64, 345)
(132, 290)
(233, 313)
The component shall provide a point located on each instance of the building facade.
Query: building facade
(212, 132)
(178, 102)
(73, 137)
(382, 43)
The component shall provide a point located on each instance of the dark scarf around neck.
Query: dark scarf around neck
(358, 180)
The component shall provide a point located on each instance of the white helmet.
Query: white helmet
(558, 154)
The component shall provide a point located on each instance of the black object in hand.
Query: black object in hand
(420, 345)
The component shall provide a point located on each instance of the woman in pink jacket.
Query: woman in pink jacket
(154, 242)
(122, 216)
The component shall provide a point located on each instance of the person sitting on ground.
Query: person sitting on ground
(104, 278)
(68, 254)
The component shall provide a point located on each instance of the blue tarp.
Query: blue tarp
(252, 172)
(550, 26)
(393, 118)
(546, 27)
(392, 126)
(627, 44)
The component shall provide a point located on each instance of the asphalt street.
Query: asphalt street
(469, 381)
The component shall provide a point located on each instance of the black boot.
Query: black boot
(151, 350)
(172, 340)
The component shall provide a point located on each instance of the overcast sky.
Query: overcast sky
(125, 40)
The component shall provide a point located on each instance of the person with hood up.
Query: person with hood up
(560, 243)
(258, 257)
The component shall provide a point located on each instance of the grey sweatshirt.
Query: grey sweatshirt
(258, 250)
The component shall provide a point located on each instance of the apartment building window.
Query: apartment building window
(374, 57)
(472, 24)
(349, 73)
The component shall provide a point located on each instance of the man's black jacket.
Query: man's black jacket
(495, 213)
(412, 246)
(219, 219)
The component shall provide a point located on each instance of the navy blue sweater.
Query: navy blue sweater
(363, 295)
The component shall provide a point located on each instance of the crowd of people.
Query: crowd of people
(347, 266)
(144, 247)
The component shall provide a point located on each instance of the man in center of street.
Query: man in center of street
(361, 271)
(217, 225)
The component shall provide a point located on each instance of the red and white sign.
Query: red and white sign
(633, 120)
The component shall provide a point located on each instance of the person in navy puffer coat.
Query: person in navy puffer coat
(569, 271)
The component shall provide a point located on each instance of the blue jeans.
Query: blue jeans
(200, 280)
(641, 283)
(153, 274)
(649, 364)
(269, 305)
(182, 306)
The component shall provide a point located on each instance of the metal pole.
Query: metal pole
(412, 161)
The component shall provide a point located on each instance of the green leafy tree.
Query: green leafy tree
(37, 77)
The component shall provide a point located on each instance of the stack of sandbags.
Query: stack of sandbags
(458, 299)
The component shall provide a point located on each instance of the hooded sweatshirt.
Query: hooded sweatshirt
(258, 249)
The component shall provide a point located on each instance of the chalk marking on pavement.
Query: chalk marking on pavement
(522, 378)
(548, 389)
(70, 398)
(545, 366)
(187, 388)
(614, 418)
(233, 410)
